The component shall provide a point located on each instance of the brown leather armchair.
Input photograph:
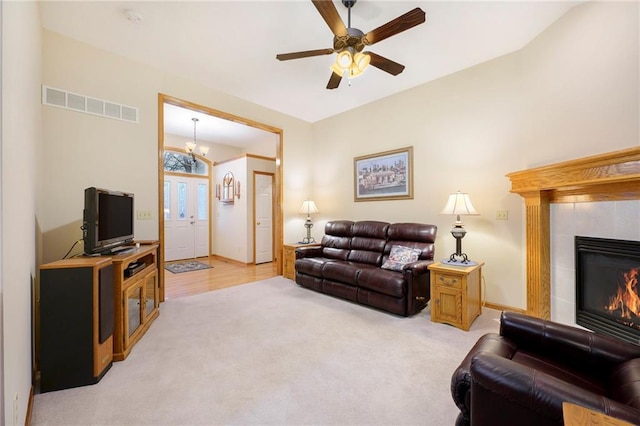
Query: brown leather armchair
(523, 375)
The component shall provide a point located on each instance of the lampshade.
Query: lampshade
(308, 207)
(190, 146)
(204, 150)
(459, 203)
(344, 59)
(352, 62)
(361, 61)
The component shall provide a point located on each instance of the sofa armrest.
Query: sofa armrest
(580, 349)
(417, 268)
(314, 251)
(504, 392)
(417, 276)
(461, 378)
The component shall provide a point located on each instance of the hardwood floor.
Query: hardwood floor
(224, 273)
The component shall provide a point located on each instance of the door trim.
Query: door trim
(278, 187)
(273, 208)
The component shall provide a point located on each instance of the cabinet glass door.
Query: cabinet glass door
(133, 311)
(150, 294)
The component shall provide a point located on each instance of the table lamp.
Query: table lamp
(308, 207)
(459, 204)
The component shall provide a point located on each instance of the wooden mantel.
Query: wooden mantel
(606, 177)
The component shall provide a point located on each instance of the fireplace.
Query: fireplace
(607, 286)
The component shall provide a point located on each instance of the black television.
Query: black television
(107, 220)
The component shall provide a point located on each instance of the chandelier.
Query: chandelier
(190, 147)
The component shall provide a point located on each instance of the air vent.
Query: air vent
(73, 101)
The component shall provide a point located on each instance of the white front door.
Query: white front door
(263, 199)
(186, 217)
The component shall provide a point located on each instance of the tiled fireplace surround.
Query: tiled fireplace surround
(608, 219)
(595, 196)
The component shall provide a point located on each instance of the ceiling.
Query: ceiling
(231, 46)
(178, 121)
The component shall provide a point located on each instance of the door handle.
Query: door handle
(258, 224)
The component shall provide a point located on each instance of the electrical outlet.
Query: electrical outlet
(502, 214)
(144, 215)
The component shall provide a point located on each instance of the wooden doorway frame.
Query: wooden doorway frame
(278, 188)
(273, 209)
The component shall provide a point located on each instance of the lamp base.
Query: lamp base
(456, 262)
(308, 239)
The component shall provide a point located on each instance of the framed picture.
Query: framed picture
(384, 176)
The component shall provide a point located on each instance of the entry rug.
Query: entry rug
(186, 266)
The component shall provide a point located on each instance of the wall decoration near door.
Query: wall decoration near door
(384, 176)
(228, 189)
(186, 266)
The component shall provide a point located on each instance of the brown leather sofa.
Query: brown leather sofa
(523, 375)
(349, 261)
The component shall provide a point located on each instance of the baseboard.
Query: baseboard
(27, 420)
(226, 259)
(503, 307)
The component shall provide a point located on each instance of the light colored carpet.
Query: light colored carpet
(273, 353)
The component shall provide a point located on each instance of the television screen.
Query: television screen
(108, 220)
(114, 218)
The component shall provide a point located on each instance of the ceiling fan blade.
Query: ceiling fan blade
(395, 26)
(334, 81)
(385, 64)
(304, 54)
(331, 17)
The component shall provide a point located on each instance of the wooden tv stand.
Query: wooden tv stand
(136, 297)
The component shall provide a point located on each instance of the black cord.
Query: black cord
(74, 244)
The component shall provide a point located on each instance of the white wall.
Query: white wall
(233, 223)
(21, 163)
(230, 233)
(84, 150)
(571, 92)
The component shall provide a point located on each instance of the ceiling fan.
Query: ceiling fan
(349, 42)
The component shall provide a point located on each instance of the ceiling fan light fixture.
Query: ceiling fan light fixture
(354, 72)
(361, 61)
(336, 69)
(344, 59)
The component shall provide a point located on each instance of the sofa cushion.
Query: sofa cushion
(336, 241)
(415, 235)
(400, 256)
(383, 281)
(344, 272)
(625, 383)
(311, 265)
(368, 241)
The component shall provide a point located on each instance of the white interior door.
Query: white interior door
(186, 217)
(263, 199)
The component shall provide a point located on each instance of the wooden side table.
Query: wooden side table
(455, 294)
(289, 258)
(576, 415)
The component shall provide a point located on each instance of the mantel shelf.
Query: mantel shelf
(612, 176)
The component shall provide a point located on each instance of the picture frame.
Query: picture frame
(384, 175)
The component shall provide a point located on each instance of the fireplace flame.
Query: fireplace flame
(626, 299)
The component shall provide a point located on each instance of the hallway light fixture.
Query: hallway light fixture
(459, 204)
(190, 147)
(308, 207)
